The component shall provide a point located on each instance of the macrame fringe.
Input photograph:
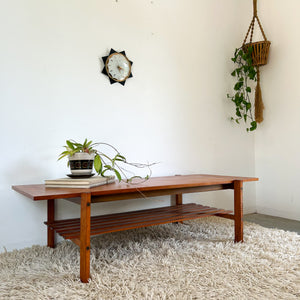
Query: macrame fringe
(259, 105)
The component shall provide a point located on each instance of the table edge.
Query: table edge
(73, 193)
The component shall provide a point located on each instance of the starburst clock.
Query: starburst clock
(117, 67)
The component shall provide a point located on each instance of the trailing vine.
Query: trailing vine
(244, 73)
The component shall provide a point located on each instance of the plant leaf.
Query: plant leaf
(70, 144)
(118, 174)
(88, 144)
(238, 113)
(253, 125)
(238, 85)
(98, 164)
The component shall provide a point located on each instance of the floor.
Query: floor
(274, 222)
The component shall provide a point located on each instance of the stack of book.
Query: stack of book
(85, 183)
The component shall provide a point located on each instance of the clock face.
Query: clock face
(117, 67)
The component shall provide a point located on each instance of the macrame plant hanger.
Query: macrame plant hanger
(260, 52)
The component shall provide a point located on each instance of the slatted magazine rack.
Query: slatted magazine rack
(70, 229)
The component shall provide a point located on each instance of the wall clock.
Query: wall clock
(117, 67)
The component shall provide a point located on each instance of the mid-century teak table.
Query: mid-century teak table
(81, 229)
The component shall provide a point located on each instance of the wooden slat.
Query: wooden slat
(70, 229)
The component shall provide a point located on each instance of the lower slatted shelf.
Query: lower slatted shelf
(70, 228)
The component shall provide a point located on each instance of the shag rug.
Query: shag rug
(194, 260)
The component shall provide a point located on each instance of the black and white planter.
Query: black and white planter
(81, 163)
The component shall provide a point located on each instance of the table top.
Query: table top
(41, 192)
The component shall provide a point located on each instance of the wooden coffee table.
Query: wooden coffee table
(80, 230)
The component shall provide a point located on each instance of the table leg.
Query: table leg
(85, 228)
(50, 218)
(238, 210)
(178, 199)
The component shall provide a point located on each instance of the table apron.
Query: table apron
(155, 193)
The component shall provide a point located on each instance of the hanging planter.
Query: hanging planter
(260, 52)
(260, 49)
(250, 55)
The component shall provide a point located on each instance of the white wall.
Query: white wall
(174, 110)
(277, 140)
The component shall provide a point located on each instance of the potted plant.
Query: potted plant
(244, 73)
(249, 58)
(83, 157)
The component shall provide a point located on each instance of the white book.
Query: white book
(78, 186)
(79, 182)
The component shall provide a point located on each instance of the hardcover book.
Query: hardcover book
(79, 182)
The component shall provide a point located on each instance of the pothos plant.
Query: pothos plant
(103, 162)
(244, 73)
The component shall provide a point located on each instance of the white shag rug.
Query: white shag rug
(194, 260)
